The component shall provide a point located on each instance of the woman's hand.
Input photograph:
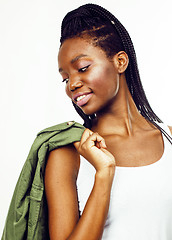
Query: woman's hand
(93, 147)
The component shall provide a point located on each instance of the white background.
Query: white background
(32, 96)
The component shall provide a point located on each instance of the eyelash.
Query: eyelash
(65, 80)
(81, 70)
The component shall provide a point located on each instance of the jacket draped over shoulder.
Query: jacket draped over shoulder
(28, 214)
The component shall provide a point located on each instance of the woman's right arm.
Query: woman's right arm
(60, 185)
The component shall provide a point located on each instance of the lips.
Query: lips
(82, 98)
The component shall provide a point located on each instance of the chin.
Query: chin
(89, 111)
(86, 110)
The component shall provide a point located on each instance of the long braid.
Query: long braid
(82, 20)
(137, 93)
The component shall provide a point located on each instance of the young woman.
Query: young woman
(124, 142)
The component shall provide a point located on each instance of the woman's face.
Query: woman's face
(91, 79)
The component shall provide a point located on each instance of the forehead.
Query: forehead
(71, 48)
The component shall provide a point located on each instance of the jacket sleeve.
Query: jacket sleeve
(27, 216)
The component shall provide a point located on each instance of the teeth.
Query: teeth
(80, 97)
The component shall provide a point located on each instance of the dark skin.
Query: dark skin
(119, 136)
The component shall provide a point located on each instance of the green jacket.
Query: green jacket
(27, 217)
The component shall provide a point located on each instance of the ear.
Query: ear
(121, 61)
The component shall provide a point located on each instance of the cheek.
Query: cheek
(106, 80)
(67, 91)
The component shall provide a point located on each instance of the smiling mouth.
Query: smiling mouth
(82, 100)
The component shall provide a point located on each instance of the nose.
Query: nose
(74, 83)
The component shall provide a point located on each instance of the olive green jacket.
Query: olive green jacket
(27, 218)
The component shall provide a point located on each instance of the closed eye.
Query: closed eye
(83, 69)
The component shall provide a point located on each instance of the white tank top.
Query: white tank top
(141, 199)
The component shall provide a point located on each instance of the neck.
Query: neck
(121, 114)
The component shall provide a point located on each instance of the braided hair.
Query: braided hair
(104, 30)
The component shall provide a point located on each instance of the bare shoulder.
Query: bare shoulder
(170, 127)
(63, 161)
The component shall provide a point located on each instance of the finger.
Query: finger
(96, 140)
(97, 144)
(76, 144)
(87, 133)
(100, 141)
(103, 144)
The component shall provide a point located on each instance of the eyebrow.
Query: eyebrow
(78, 57)
(75, 59)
